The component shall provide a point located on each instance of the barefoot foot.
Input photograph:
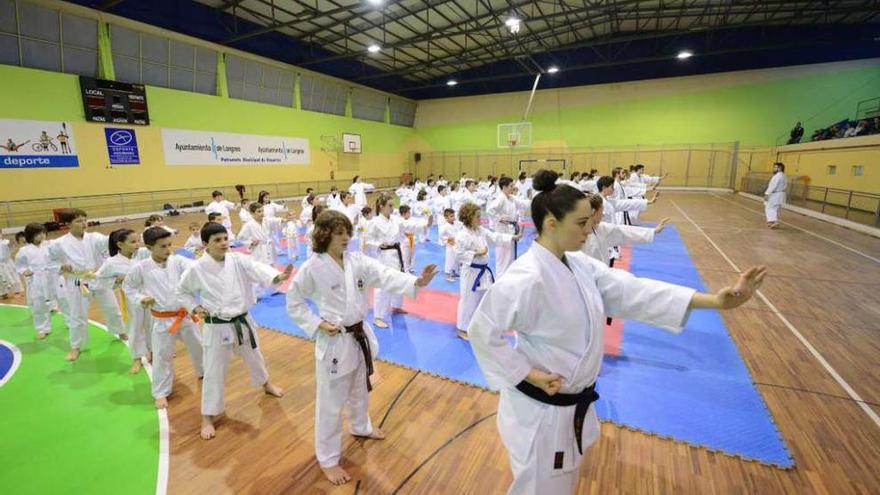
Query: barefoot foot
(135, 367)
(377, 434)
(336, 475)
(161, 403)
(463, 335)
(379, 323)
(123, 337)
(272, 390)
(207, 432)
(41, 335)
(72, 355)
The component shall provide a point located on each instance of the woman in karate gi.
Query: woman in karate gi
(472, 252)
(359, 190)
(336, 280)
(556, 299)
(774, 196)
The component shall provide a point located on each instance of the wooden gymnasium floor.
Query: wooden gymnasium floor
(824, 282)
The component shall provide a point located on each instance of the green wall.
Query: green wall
(755, 113)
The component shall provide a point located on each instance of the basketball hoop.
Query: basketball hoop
(512, 139)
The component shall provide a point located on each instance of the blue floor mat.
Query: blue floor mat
(692, 387)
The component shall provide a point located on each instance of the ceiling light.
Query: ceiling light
(513, 24)
(553, 70)
(374, 48)
(684, 54)
(376, 2)
(451, 82)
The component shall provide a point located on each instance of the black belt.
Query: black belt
(396, 247)
(236, 321)
(357, 330)
(515, 232)
(581, 401)
(483, 267)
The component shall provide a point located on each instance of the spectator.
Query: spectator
(796, 134)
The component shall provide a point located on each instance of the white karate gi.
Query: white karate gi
(223, 208)
(775, 194)
(410, 229)
(85, 255)
(9, 280)
(291, 233)
(225, 292)
(136, 317)
(340, 367)
(359, 190)
(382, 230)
(446, 234)
(606, 235)
(150, 279)
(503, 210)
(194, 243)
(558, 314)
(43, 285)
(467, 243)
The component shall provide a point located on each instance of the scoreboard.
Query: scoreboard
(114, 102)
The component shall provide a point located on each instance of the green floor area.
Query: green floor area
(85, 427)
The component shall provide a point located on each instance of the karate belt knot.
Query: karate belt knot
(396, 247)
(236, 322)
(82, 284)
(178, 316)
(483, 267)
(357, 331)
(580, 400)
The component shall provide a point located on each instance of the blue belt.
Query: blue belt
(483, 269)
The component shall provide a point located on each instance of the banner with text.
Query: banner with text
(183, 147)
(36, 144)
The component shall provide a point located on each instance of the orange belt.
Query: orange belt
(178, 316)
(412, 240)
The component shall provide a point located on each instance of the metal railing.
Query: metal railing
(857, 206)
(19, 213)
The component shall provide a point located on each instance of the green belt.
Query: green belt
(236, 322)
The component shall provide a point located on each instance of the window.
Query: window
(858, 170)
(322, 95)
(368, 105)
(42, 38)
(256, 81)
(831, 170)
(403, 112)
(149, 59)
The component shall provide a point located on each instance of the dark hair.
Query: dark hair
(213, 215)
(366, 210)
(193, 225)
(261, 198)
(453, 186)
(604, 182)
(596, 201)
(216, 193)
(555, 200)
(326, 224)
(467, 213)
(208, 230)
(468, 182)
(522, 175)
(440, 188)
(333, 188)
(71, 214)
(404, 209)
(640, 167)
(344, 194)
(575, 174)
(20, 235)
(447, 211)
(355, 178)
(504, 182)
(253, 207)
(421, 195)
(317, 211)
(120, 235)
(381, 201)
(780, 165)
(152, 218)
(309, 191)
(310, 198)
(616, 171)
(31, 230)
(153, 234)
